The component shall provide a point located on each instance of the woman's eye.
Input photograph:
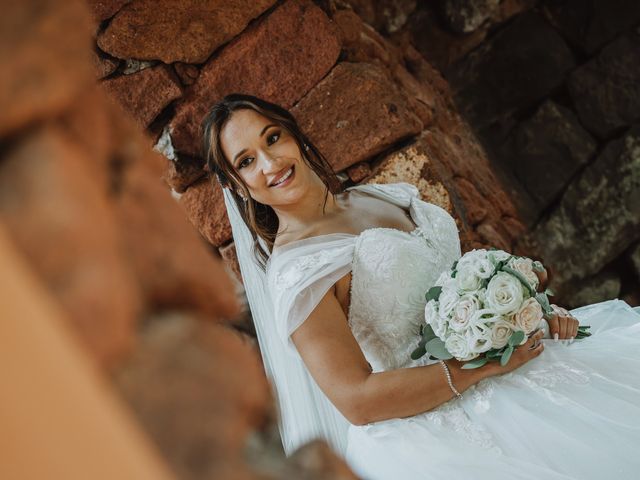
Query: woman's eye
(242, 163)
(273, 135)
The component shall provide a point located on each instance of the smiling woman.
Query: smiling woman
(257, 150)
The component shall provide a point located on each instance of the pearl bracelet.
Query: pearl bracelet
(449, 381)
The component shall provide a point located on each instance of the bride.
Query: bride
(336, 285)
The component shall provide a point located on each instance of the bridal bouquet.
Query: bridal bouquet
(483, 308)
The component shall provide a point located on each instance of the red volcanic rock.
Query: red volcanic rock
(45, 62)
(204, 205)
(473, 203)
(186, 31)
(170, 259)
(359, 171)
(181, 174)
(230, 257)
(494, 236)
(104, 9)
(144, 94)
(188, 73)
(60, 218)
(347, 129)
(279, 59)
(199, 390)
(103, 66)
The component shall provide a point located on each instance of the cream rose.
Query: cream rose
(524, 266)
(433, 318)
(463, 312)
(529, 316)
(504, 294)
(500, 333)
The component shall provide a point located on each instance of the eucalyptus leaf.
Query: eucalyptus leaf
(436, 348)
(475, 363)
(549, 292)
(506, 355)
(428, 333)
(433, 293)
(418, 352)
(494, 353)
(516, 338)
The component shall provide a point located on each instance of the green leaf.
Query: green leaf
(433, 293)
(475, 363)
(428, 333)
(455, 265)
(436, 348)
(549, 292)
(516, 338)
(418, 352)
(520, 277)
(506, 355)
(494, 353)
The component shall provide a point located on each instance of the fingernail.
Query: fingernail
(555, 337)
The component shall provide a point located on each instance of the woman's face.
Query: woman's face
(262, 153)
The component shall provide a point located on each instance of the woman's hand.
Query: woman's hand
(521, 355)
(563, 325)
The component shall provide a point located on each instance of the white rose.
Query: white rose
(443, 278)
(524, 266)
(500, 255)
(434, 319)
(467, 279)
(458, 346)
(479, 340)
(529, 316)
(500, 333)
(463, 311)
(448, 300)
(504, 294)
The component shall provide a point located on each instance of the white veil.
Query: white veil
(305, 412)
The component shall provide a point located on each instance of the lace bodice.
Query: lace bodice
(391, 272)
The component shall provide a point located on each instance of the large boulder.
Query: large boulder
(598, 216)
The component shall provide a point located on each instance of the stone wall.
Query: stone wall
(552, 88)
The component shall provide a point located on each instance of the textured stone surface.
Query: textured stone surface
(144, 94)
(464, 16)
(348, 130)
(590, 24)
(290, 51)
(170, 259)
(606, 90)
(635, 259)
(104, 9)
(413, 166)
(45, 64)
(598, 216)
(58, 215)
(497, 79)
(546, 151)
(186, 31)
(204, 206)
(186, 72)
(230, 258)
(359, 171)
(604, 286)
(199, 390)
(182, 173)
(103, 65)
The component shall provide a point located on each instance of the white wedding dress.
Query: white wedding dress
(571, 413)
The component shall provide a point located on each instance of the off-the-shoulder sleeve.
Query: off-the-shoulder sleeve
(299, 277)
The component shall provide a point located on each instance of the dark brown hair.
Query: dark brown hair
(261, 219)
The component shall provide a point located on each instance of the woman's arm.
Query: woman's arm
(335, 361)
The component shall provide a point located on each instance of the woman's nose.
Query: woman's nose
(269, 162)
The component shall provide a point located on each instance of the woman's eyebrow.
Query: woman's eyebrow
(261, 134)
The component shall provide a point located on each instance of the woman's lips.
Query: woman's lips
(288, 180)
